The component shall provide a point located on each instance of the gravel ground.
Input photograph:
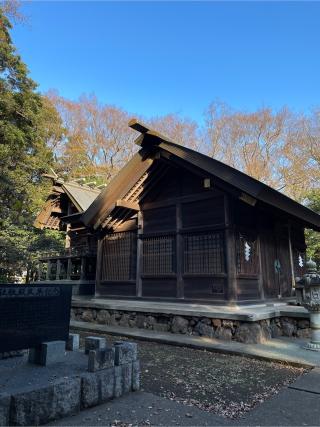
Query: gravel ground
(224, 384)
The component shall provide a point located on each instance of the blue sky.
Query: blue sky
(152, 58)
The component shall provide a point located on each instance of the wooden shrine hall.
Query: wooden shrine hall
(175, 224)
(76, 264)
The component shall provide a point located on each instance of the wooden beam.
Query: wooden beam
(138, 126)
(128, 205)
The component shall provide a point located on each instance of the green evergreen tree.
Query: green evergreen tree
(26, 129)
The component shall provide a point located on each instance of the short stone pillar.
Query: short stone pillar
(308, 296)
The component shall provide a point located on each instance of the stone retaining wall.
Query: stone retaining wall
(246, 332)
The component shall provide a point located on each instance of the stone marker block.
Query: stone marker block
(59, 399)
(136, 375)
(118, 381)
(126, 377)
(90, 390)
(73, 342)
(48, 353)
(4, 409)
(94, 343)
(125, 352)
(107, 384)
(101, 359)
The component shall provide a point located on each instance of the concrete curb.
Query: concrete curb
(278, 350)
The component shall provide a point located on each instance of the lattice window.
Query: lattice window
(204, 253)
(158, 255)
(247, 254)
(119, 257)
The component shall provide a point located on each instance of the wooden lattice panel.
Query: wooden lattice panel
(158, 255)
(204, 253)
(119, 257)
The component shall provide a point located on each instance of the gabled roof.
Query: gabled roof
(152, 141)
(81, 196)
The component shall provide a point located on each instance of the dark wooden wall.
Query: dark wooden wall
(199, 243)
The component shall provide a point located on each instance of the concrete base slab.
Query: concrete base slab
(282, 349)
(143, 409)
(250, 313)
(288, 408)
(309, 382)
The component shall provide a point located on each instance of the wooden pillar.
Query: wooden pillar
(83, 268)
(179, 253)
(139, 255)
(48, 269)
(230, 252)
(293, 282)
(99, 264)
(58, 269)
(39, 271)
(260, 278)
(69, 268)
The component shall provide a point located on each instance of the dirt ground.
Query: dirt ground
(224, 384)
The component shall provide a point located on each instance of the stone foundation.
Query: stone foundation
(245, 332)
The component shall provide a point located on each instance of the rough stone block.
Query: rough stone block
(249, 333)
(4, 409)
(101, 359)
(60, 399)
(125, 352)
(118, 381)
(223, 333)
(90, 390)
(48, 353)
(94, 343)
(107, 380)
(275, 330)
(288, 329)
(136, 375)
(304, 333)
(103, 317)
(161, 327)
(87, 316)
(126, 377)
(204, 329)
(179, 325)
(303, 323)
(73, 342)
(216, 323)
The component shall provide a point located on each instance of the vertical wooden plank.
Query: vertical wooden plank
(99, 264)
(179, 252)
(230, 252)
(139, 255)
